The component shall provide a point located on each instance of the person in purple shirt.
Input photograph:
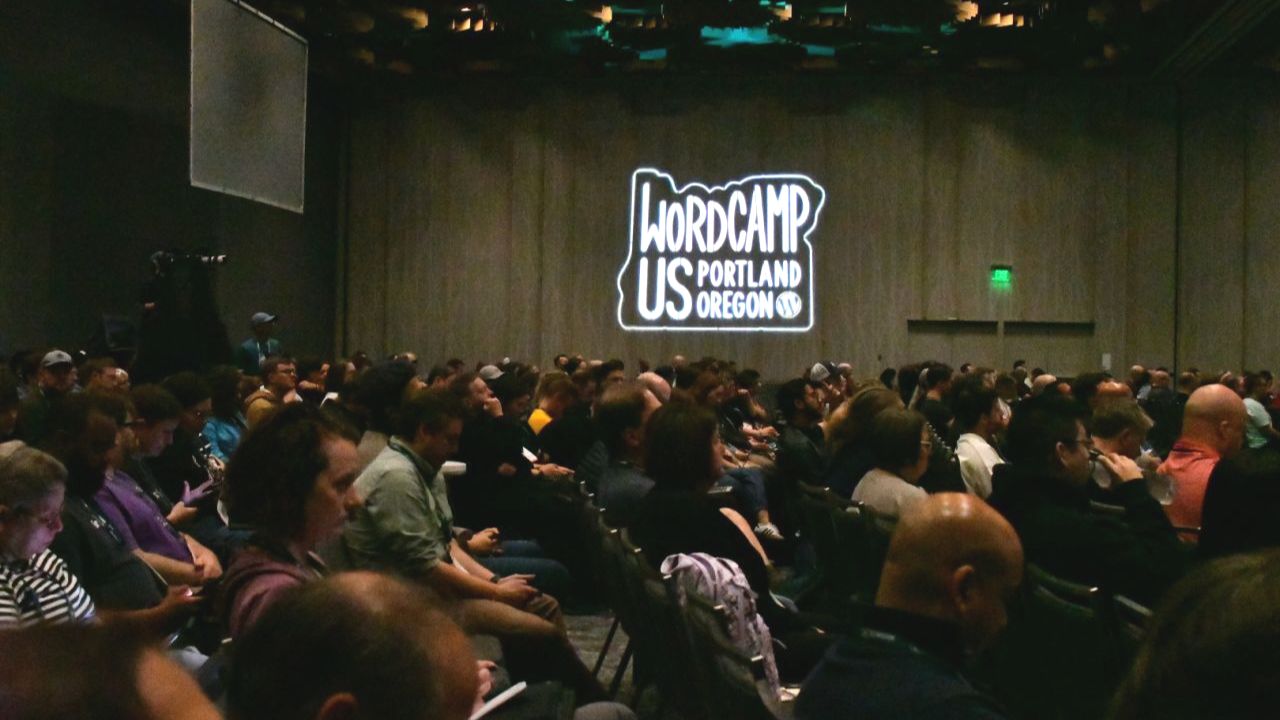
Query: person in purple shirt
(178, 558)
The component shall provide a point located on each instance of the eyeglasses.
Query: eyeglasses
(1086, 441)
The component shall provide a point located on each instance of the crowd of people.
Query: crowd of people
(298, 538)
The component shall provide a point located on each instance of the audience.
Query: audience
(123, 520)
(405, 526)
(279, 378)
(1213, 427)
(226, 423)
(178, 558)
(35, 585)
(82, 437)
(801, 453)
(848, 433)
(952, 567)
(1044, 494)
(978, 418)
(900, 446)
(252, 354)
(1120, 427)
(1258, 430)
(55, 378)
(293, 482)
(623, 417)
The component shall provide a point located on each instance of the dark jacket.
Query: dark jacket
(1242, 504)
(670, 522)
(1137, 555)
(899, 666)
(800, 455)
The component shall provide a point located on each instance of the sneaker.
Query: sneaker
(769, 531)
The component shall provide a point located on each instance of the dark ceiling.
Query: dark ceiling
(427, 38)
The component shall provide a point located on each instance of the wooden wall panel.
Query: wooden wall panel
(1151, 193)
(505, 223)
(1261, 257)
(1211, 254)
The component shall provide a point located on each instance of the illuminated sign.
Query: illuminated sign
(731, 258)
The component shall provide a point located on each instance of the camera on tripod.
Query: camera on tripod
(163, 260)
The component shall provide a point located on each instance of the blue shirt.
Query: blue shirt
(223, 435)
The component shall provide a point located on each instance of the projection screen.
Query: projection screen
(248, 104)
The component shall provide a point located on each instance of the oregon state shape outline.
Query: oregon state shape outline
(810, 227)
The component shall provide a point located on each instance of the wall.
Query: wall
(491, 220)
(93, 179)
(1230, 165)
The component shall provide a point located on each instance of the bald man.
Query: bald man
(1213, 427)
(953, 564)
(353, 645)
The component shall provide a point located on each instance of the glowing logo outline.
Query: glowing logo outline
(671, 182)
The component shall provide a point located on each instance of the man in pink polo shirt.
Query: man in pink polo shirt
(1212, 428)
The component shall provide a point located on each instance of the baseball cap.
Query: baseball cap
(818, 373)
(490, 372)
(56, 357)
(261, 318)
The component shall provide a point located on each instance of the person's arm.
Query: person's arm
(1139, 555)
(741, 523)
(204, 557)
(415, 541)
(178, 605)
(469, 564)
(452, 579)
(174, 572)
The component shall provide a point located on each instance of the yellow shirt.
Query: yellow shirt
(538, 419)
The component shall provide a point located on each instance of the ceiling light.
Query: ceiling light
(417, 18)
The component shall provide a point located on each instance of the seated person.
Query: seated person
(900, 445)
(847, 433)
(179, 558)
(1120, 426)
(405, 526)
(978, 417)
(94, 673)
(226, 423)
(364, 645)
(279, 380)
(189, 458)
(35, 585)
(952, 565)
(1241, 504)
(1043, 493)
(683, 456)
(801, 446)
(1209, 650)
(157, 420)
(624, 411)
(292, 481)
(379, 393)
(1213, 428)
(82, 436)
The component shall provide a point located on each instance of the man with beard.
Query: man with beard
(82, 437)
(801, 456)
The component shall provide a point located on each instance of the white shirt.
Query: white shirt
(886, 493)
(977, 460)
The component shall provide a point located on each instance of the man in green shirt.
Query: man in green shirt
(405, 526)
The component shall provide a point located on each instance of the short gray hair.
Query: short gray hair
(27, 475)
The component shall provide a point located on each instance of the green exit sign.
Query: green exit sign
(1001, 277)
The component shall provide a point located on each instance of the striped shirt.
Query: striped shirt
(41, 590)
